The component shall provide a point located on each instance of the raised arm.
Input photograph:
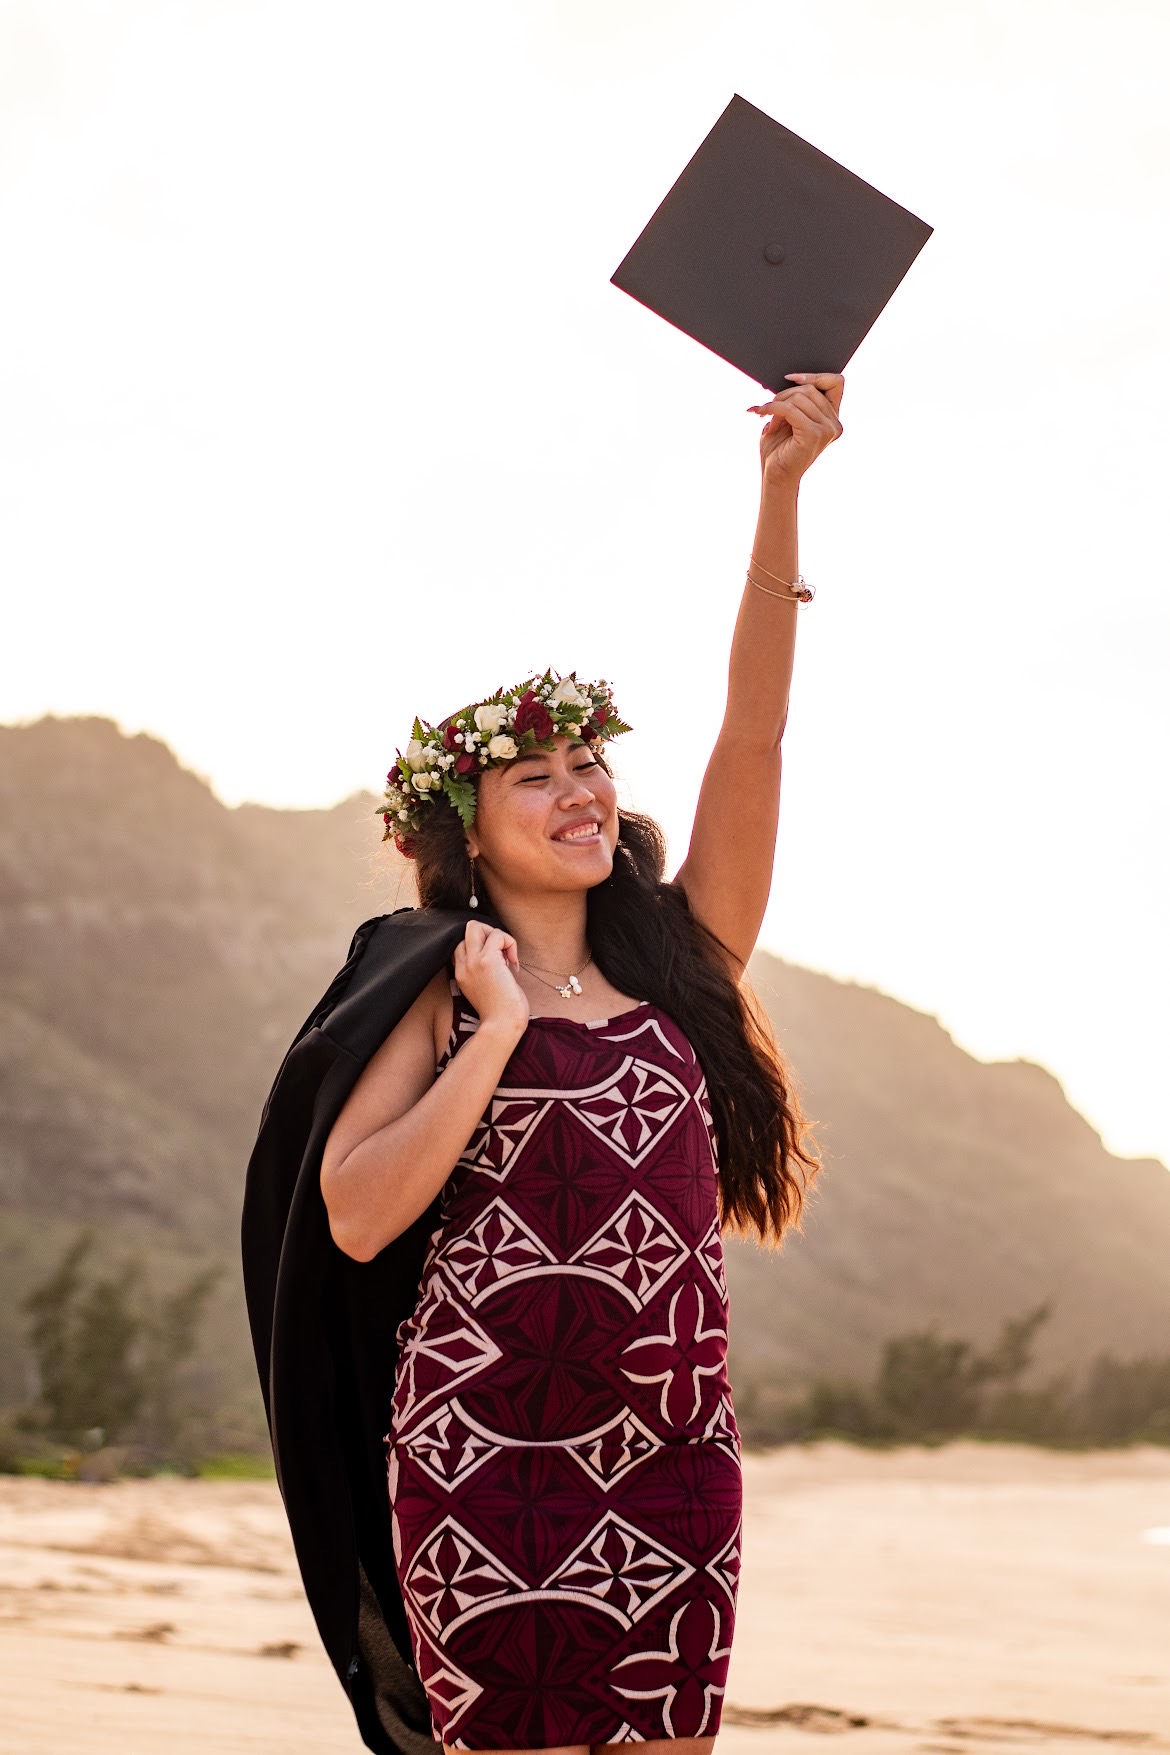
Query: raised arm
(727, 873)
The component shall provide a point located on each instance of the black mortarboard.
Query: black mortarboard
(771, 253)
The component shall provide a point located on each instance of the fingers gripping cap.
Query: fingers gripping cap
(444, 760)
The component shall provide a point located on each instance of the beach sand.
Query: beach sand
(975, 1596)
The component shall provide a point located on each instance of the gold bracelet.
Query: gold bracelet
(769, 575)
(801, 591)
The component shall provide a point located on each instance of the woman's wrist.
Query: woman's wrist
(502, 1032)
(779, 493)
(775, 546)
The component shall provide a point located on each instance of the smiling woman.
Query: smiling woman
(577, 1105)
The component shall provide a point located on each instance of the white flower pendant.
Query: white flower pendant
(572, 986)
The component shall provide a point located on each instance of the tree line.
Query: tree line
(931, 1387)
(113, 1369)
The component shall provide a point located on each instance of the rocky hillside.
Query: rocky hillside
(157, 951)
(954, 1192)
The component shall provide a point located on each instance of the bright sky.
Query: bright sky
(317, 410)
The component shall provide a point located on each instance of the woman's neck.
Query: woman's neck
(549, 930)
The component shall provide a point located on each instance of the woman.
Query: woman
(595, 1097)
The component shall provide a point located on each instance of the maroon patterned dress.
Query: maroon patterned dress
(564, 1461)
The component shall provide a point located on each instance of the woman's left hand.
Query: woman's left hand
(802, 422)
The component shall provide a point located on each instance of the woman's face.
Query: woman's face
(547, 821)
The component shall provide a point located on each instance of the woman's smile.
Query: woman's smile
(580, 832)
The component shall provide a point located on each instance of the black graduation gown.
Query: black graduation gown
(323, 1326)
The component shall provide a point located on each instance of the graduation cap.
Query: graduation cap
(771, 253)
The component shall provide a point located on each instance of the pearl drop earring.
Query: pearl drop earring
(473, 899)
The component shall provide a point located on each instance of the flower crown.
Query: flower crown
(512, 722)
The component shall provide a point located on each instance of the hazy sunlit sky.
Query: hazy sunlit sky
(318, 410)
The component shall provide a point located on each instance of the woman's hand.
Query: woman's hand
(483, 968)
(802, 422)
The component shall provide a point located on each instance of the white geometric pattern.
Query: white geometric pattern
(499, 1244)
(724, 1568)
(691, 1352)
(709, 1255)
(392, 1488)
(624, 1430)
(454, 1691)
(447, 1448)
(453, 1576)
(636, 1246)
(621, 1447)
(721, 1428)
(648, 1027)
(633, 1108)
(703, 1099)
(446, 1684)
(493, 1146)
(621, 1569)
(460, 1352)
(674, 1659)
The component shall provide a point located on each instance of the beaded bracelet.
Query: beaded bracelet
(799, 589)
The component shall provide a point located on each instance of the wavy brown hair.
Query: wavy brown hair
(647, 943)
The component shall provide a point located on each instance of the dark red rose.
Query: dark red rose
(394, 777)
(599, 716)
(386, 818)
(405, 845)
(588, 732)
(533, 715)
(466, 764)
(449, 738)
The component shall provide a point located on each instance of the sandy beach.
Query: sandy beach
(909, 1600)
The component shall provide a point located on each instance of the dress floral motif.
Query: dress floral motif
(564, 1462)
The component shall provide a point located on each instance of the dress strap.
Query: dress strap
(464, 1020)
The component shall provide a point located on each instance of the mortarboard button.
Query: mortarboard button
(705, 259)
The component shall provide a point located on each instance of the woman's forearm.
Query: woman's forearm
(380, 1187)
(764, 641)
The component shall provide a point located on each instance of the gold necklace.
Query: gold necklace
(571, 984)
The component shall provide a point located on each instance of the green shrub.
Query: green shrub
(110, 1355)
(931, 1387)
(236, 1466)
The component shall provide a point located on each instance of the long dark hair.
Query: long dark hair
(647, 943)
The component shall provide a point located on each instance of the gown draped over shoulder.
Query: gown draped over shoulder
(563, 1461)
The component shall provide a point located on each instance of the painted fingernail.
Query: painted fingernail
(796, 374)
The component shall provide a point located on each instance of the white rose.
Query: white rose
(422, 782)
(414, 757)
(491, 717)
(502, 748)
(570, 695)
